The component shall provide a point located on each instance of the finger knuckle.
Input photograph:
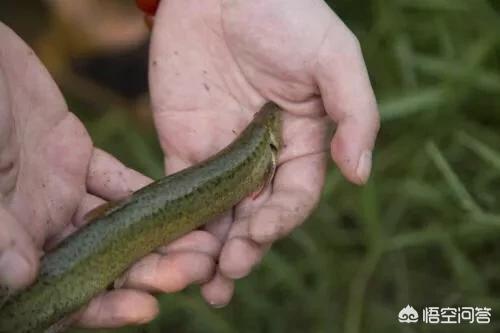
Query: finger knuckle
(374, 120)
(351, 42)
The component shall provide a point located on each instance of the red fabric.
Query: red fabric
(149, 7)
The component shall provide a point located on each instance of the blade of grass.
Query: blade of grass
(357, 291)
(466, 274)
(426, 237)
(455, 184)
(375, 239)
(421, 192)
(210, 320)
(404, 52)
(283, 271)
(370, 214)
(459, 71)
(411, 103)
(454, 5)
(488, 154)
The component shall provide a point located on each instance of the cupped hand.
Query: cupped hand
(214, 63)
(51, 176)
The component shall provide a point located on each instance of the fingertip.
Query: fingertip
(264, 227)
(119, 308)
(218, 291)
(170, 273)
(353, 154)
(19, 257)
(349, 100)
(110, 179)
(17, 270)
(239, 255)
(196, 241)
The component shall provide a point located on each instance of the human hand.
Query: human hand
(214, 63)
(51, 176)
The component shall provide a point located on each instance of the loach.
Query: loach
(87, 262)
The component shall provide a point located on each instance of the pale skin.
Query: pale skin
(212, 65)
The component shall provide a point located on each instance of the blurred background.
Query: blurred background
(424, 231)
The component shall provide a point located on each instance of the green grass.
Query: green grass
(424, 231)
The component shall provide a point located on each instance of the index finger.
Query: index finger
(109, 179)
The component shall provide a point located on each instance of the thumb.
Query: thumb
(18, 255)
(349, 100)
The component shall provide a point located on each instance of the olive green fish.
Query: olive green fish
(88, 262)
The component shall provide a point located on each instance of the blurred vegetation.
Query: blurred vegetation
(423, 232)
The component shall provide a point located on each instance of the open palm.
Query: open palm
(214, 63)
(50, 177)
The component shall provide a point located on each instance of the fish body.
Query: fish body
(87, 262)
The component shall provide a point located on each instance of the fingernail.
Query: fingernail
(364, 166)
(13, 268)
(144, 321)
(120, 282)
(217, 305)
